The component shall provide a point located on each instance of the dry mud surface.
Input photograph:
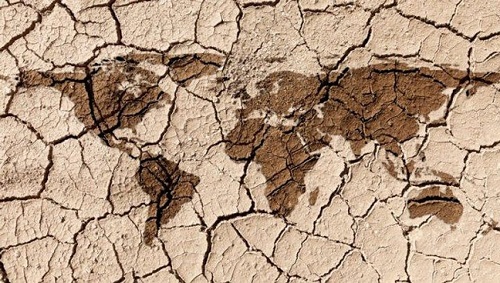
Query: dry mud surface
(249, 141)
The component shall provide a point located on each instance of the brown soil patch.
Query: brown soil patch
(117, 93)
(313, 197)
(109, 95)
(445, 177)
(381, 103)
(432, 201)
(184, 69)
(168, 187)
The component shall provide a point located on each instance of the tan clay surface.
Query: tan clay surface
(249, 141)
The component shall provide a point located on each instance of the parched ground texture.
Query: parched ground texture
(249, 141)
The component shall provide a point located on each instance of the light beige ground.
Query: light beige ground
(249, 141)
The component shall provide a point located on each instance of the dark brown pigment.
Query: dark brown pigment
(116, 94)
(379, 103)
(168, 187)
(432, 201)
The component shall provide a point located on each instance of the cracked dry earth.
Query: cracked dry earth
(249, 141)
